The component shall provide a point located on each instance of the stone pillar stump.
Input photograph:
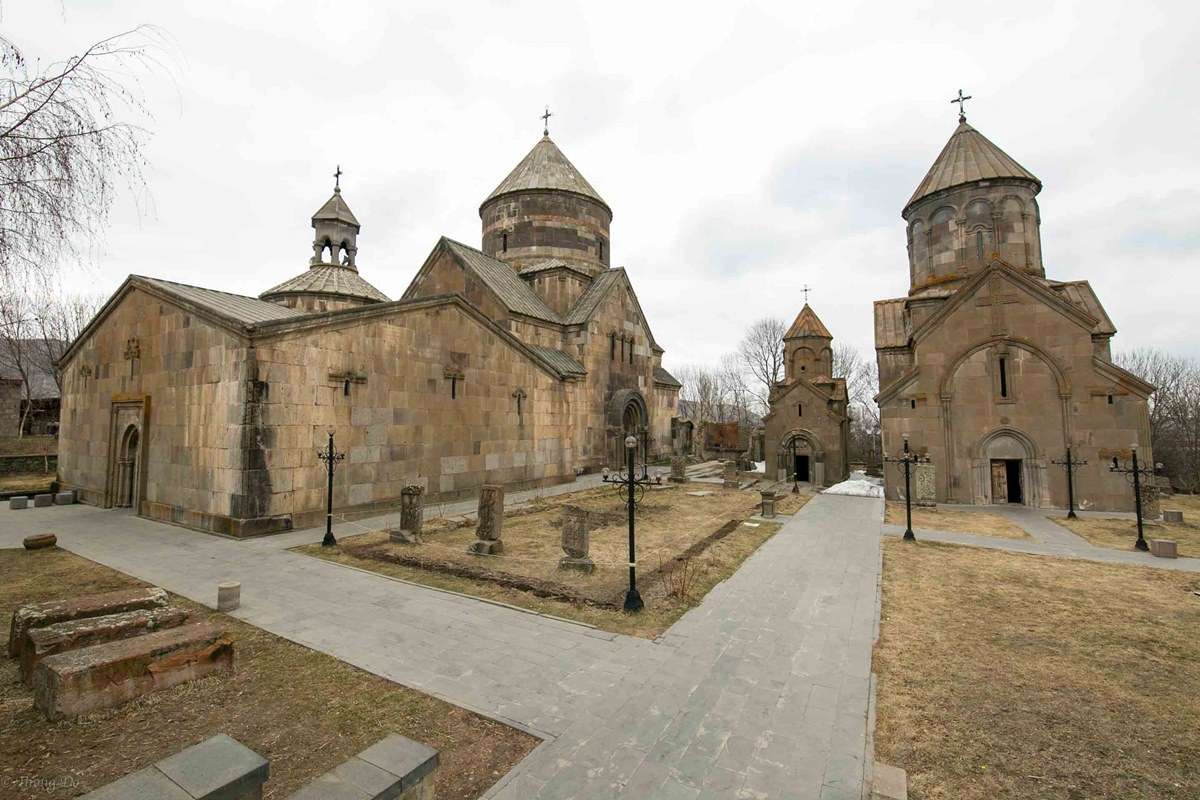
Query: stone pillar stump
(678, 469)
(491, 522)
(575, 540)
(412, 515)
(768, 505)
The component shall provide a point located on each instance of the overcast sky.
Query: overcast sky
(746, 149)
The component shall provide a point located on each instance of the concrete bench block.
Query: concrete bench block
(64, 498)
(1172, 515)
(104, 675)
(39, 615)
(18, 503)
(41, 643)
(889, 783)
(39, 541)
(220, 768)
(396, 767)
(43, 500)
(1164, 548)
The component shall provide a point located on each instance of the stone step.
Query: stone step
(39, 615)
(396, 767)
(219, 768)
(104, 675)
(60, 637)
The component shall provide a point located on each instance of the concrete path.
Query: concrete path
(1048, 538)
(761, 691)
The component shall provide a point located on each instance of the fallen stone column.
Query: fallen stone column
(39, 615)
(104, 675)
(41, 643)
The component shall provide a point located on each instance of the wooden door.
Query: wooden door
(999, 481)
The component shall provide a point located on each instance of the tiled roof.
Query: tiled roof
(890, 330)
(501, 279)
(1081, 295)
(545, 167)
(586, 305)
(328, 279)
(542, 266)
(662, 376)
(807, 324)
(969, 156)
(560, 360)
(335, 208)
(244, 309)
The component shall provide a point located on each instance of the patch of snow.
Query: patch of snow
(760, 466)
(858, 485)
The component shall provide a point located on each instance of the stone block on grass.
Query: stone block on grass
(1172, 515)
(64, 498)
(39, 615)
(39, 541)
(1164, 548)
(18, 503)
(77, 682)
(219, 768)
(889, 783)
(41, 643)
(43, 500)
(396, 767)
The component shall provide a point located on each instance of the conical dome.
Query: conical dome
(336, 210)
(968, 157)
(545, 167)
(807, 323)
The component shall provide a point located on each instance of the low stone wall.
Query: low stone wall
(26, 464)
(395, 767)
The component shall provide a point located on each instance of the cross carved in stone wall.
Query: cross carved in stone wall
(997, 299)
(133, 352)
(519, 393)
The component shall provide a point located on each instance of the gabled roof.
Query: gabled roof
(335, 208)
(328, 279)
(588, 303)
(564, 363)
(807, 324)
(1080, 293)
(890, 327)
(514, 293)
(666, 378)
(969, 156)
(548, 264)
(236, 307)
(545, 167)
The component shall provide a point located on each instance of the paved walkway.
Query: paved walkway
(761, 691)
(1048, 538)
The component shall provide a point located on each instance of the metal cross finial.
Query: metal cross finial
(806, 290)
(961, 100)
(546, 122)
(337, 179)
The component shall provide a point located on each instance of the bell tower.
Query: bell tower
(807, 347)
(336, 230)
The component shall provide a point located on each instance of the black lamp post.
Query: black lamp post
(1134, 474)
(330, 457)
(1070, 464)
(907, 458)
(628, 483)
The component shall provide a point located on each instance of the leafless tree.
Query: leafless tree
(68, 137)
(761, 352)
(60, 319)
(17, 354)
(1174, 410)
(735, 391)
(703, 391)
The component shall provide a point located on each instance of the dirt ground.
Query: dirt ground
(527, 574)
(1120, 534)
(1004, 675)
(33, 483)
(943, 518)
(304, 711)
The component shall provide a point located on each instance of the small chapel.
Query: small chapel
(990, 369)
(807, 427)
(523, 362)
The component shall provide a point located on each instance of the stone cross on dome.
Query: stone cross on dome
(546, 122)
(806, 290)
(337, 179)
(961, 100)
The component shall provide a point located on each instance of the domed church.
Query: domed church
(989, 367)
(525, 362)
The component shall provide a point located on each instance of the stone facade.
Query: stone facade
(207, 409)
(990, 368)
(807, 429)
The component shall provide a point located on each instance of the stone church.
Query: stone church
(807, 428)
(525, 362)
(992, 369)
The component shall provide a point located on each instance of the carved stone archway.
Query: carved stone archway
(1008, 444)
(628, 415)
(808, 445)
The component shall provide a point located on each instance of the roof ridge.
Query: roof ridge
(546, 167)
(194, 286)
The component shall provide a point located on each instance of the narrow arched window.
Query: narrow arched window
(800, 409)
(504, 243)
(979, 245)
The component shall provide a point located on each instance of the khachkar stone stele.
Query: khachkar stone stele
(678, 469)
(575, 540)
(412, 515)
(491, 522)
(731, 475)
(925, 485)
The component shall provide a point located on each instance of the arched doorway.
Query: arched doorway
(801, 458)
(627, 416)
(127, 469)
(1009, 469)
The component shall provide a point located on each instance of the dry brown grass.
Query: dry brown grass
(980, 523)
(304, 711)
(791, 503)
(1120, 534)
(32, 483)
(669, 522)
(1010, 676)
